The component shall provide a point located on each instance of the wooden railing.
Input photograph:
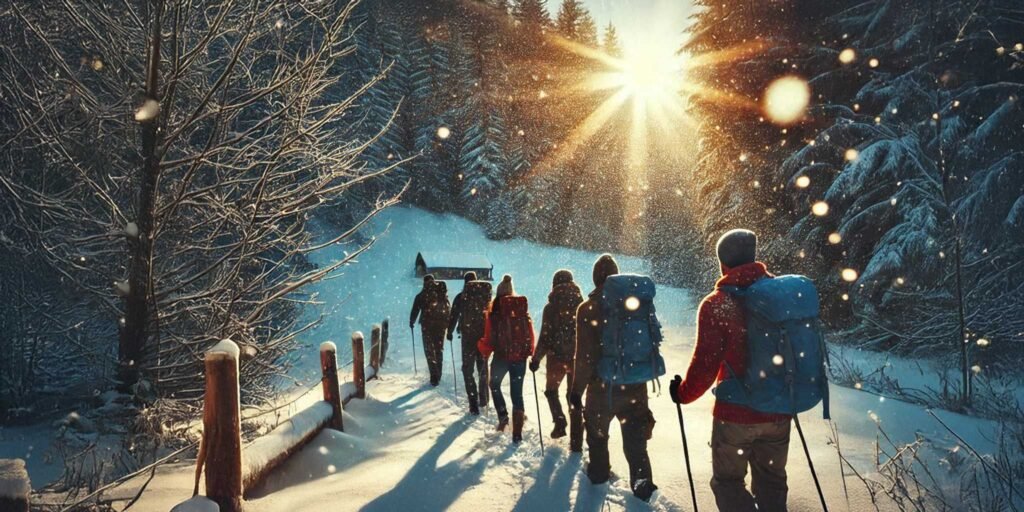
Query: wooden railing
(231, 470)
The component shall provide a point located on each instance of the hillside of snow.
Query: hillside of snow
(410, 447)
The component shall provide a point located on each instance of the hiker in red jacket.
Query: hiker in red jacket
(508, 334)
(739, 436)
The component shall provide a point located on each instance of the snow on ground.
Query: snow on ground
(410, 447)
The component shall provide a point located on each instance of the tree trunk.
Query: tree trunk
(135, 328)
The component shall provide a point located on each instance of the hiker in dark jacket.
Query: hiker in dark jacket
(627, 402)
(740, 436)
(558, 343)
(431, 308)
(469, 312)
(509, 336)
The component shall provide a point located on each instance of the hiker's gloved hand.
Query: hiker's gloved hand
(576, 401)
(449, 335)
(534, 364)
(673, 388)
(412, 325)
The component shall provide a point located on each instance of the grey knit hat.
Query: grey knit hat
(505, 287)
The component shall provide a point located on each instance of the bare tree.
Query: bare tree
(164, 156)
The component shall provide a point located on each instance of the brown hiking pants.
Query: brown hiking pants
(628, 404)
(433, 349)
(557, 371)
(762, 446)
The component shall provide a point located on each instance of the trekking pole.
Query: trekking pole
(455, 380)
(412, 331)
(810, 464)
(540, 429)
(686, 456)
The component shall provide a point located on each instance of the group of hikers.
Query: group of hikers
(758, 341)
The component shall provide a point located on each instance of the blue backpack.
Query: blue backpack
(787, 358)
(631, 333)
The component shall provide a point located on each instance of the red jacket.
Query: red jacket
(722, 338)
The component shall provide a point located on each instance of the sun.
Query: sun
(651, 75)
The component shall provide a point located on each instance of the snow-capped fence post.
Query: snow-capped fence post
(358, 368)
(222, 432)
(332, 391)
(384, 340)
(375, 349)
(15, 487)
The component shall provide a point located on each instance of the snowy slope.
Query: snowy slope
(409, 447)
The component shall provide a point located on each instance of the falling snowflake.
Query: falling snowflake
(835, 238)
(851, 154)
(820, 208)
(849, 275)
(803, 182)
(444, 132)
(149, 110)
(847, 56)
(786, 99)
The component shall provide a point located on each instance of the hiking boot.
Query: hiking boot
(474, 409)
(644, 488)
(518, 418)
(556, 414)
(502, 422)
(597, 476)
(559, 431)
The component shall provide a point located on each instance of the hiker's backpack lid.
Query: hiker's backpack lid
(481, 288)
(788, 297)
(514, 305)
(620, 287)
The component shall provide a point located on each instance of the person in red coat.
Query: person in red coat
(740, 436)
(508, 334)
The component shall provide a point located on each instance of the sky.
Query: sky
(641, 22)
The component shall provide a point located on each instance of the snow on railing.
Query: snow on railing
(231, 471)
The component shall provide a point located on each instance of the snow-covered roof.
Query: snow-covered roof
(455, 260)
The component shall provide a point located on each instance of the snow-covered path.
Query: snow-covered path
(411, 447)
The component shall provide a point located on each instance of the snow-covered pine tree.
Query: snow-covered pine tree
(907, 144)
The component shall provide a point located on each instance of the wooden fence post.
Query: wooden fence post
(358, 365)
(222, 432)
(15, 487)
(332, 392)
(384, 341)
(375, 349)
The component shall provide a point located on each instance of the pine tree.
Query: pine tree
(570, 13)
(611, 44)
(586, 30)
(533, 19)
(906, 144)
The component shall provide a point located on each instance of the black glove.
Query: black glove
(673, 388)
(576, 401)
(412, 325)
(449, 336)
(534, 364)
